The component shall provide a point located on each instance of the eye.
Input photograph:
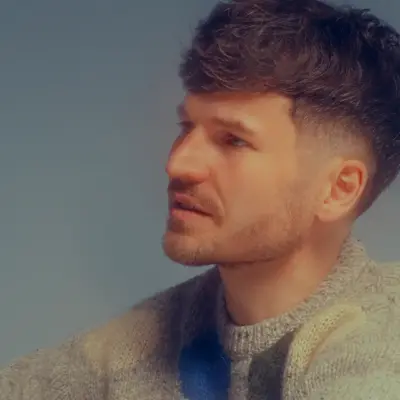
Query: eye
(234, 141)
(184, 127)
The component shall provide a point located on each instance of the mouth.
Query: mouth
(183, 207)
(184, 203)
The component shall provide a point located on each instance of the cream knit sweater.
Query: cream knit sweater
(341, 343)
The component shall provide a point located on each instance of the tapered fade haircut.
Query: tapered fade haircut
(339, 65)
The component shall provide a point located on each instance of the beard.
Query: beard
(262, 238)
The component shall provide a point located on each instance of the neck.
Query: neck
(258, 291)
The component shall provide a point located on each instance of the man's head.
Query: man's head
(290, 127)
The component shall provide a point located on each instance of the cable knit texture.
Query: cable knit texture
(342, 343)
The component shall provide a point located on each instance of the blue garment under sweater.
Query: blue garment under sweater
(204, 369)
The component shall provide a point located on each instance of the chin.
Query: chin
(186, 250)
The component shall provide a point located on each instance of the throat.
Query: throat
(254, 293)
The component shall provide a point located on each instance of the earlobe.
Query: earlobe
(329, 210)
(344, 190)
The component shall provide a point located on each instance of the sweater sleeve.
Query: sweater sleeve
(61, 373)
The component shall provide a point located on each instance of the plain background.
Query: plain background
(88, 90)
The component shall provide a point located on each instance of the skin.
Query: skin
(279, 202)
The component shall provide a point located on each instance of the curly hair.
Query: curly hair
(337, 64)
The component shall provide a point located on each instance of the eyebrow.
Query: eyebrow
(233, 124)
(228, 123)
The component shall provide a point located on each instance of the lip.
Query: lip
(194, 208)
(185, 215)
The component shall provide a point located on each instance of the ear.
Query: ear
(345, 184)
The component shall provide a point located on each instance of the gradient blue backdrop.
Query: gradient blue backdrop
(88, 90)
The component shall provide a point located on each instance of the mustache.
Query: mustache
(206, 202)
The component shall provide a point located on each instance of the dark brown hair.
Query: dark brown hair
(338, 64)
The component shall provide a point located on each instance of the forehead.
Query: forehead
(260, 113)
(224, 104)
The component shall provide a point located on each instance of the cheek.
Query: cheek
(249, 194)
(253, 184)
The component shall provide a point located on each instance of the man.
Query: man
(289, 132)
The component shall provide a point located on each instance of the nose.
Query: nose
(189, 159)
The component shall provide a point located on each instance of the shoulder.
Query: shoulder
(61, 372)
(353, 344)
(378, 292)
(147, 328)
(86, 361)
(368, 321)
(389, 273)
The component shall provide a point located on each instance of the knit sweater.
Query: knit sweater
(342, 342)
